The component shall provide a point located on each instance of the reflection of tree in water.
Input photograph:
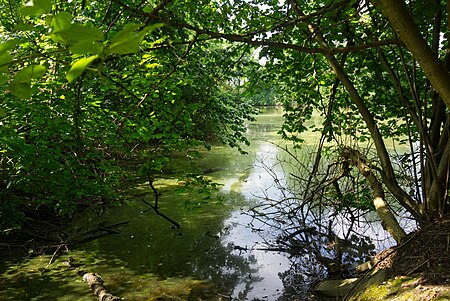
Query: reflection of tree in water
(303, 273)
(323, 224)
(248, 279)
(155, 253)
(227, 270)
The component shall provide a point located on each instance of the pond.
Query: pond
(219, 252)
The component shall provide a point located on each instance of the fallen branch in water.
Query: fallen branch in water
(268, 249)
(96, 284)
(55, 254)
(52, 237)
(177, 225)
(92, 234)
(155, 207)
(82, 237)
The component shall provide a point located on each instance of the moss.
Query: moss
(443, 297)
(375, 292)
(402, 289)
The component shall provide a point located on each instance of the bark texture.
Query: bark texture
(96, 284)
(355, 158)
(437, 193)
(403, 23)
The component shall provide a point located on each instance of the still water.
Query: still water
(213, 256)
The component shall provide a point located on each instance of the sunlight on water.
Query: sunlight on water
(219, 253)
(245, 235)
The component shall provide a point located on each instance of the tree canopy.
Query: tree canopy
(87, 85)
(83, 78)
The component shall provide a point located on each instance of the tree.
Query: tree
(377, 81)
(86, 84)
(408, 31)
(342, 59)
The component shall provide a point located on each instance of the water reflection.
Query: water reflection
(248, 236)
(221, 252)
(274, 196)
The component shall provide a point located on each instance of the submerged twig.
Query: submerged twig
(177, 225)
(55, 254)
(155, 207)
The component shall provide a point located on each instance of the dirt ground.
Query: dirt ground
(425, 252)
(419, 268)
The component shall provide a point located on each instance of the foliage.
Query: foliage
(342, 60)
(265, 95)
(89, 84)
(96, 78)
(200, 189)
(401, 106)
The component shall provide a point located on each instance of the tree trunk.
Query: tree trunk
(355, 158)
(437, 194)
(389, 176)
(403, 23)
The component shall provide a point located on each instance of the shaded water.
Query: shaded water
(150, 260)
(213, 256)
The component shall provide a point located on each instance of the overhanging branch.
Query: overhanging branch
(251, 37)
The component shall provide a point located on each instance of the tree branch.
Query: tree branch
(388, 171)
(403, 23)
(155, 207)
(355, 158)
(249, 37)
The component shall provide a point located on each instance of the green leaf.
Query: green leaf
(21, 85)
(21, 89)
(31, 72)
(86, 47)
(77, 33)
(78, 68)
(38, 71)
(128, 39)
(2, 113)
(8, 45)
(152, 27)
(5, 58)
(59, 22)
(36, 7)
(148, 9)
(23, 27)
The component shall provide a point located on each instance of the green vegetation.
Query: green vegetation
(90, 89)
(87, 84)
(402, 288)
